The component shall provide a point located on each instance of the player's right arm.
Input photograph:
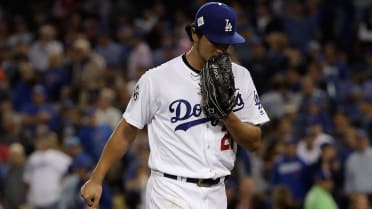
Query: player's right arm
(123, 135)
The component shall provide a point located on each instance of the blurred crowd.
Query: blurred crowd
(68, 67)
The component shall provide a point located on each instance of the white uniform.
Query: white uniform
(44, 172)
(183, 142)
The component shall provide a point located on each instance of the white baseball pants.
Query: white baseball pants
(166, 193)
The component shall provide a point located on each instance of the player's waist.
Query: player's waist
(202, 182)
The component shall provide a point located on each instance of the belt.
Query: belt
(199, 182)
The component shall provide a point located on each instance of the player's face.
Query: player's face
(207, 48)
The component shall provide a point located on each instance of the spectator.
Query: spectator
(68, 119)
(280, 102)
(22, 33)
(277, 43)
(140, 58)
(358, 167)
(40, 49)
(291, 171)
(320, 196)
(311, 93)
(38, 111)
(81, 167)
(273, 151)
(15, 188)
(348, 145)
(342, 126)
(307, 150)
(365, 107)
(258, 58)
(106, 113)
(329, 162)
(247, 198)
(93, 136)
(124, 34)
(121, 88)
(23, 86)
(72, 146)
(313, 108)
(321, 136)
(265, 21)
(353, 92)
(56, 75)
(44, 171)
(10, 122)
(335, 69)
(253, 164)
(274, 100)
(87, 66)
(282, 198)
(300, 27)
(109, 50)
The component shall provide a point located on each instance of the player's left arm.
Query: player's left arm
(246, 135)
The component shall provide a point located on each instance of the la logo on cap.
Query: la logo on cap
(228, 26)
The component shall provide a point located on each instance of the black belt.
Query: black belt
(199, 182)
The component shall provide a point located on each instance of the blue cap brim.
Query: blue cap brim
(234, 39)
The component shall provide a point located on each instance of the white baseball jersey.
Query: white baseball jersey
(182, 140)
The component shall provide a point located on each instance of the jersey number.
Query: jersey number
(226, 141)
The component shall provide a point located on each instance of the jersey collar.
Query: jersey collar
(188, 64)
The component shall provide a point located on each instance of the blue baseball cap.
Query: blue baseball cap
(217, 21)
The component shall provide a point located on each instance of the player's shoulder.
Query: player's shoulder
(164, 69)
(240, 70)
(237, 66)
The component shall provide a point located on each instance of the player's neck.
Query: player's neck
(193, 58)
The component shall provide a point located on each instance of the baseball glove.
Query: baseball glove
(217, 87)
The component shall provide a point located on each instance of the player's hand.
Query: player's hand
(91, 192)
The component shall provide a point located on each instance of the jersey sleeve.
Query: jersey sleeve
(253, 111)
(141, 106)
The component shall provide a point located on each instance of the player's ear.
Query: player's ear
(195, 34)
(192, 32)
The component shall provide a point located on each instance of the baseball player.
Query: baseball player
(190, 154)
